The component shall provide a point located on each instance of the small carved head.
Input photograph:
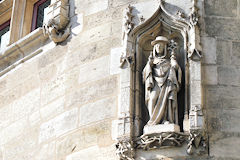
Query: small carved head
(159, 44)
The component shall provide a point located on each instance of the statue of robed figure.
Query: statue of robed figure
(162, 77)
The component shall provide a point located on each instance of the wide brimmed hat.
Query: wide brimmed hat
(159, 39)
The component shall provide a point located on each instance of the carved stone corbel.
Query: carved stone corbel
(149, 142)
(124, 149)
(197, 138)
(197, 143)
(56, 22)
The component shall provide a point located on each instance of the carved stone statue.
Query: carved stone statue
(162, 78)
(54, 32)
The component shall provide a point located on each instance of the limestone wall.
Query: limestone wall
(221, 76)
(63, 101)
(60, 104)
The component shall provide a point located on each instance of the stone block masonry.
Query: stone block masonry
(221, 78)
(61, 103)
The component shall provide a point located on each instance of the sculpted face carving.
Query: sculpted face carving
(159, 48)
(162, 78)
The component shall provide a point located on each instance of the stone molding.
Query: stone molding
(20, 51)
(194, 125)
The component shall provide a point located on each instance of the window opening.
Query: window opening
(38, 13)
(4, 34)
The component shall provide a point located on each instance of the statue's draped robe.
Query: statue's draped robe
(161, 73)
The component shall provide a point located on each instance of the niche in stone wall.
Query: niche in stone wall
(138, 127)
(143, 50)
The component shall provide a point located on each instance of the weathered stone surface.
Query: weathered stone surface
(195, 71)
(91, 6)
(52, 109)
(77, 25)
(115, 60)
(96, 90)
(13, 130)
(34, 118)
(46, 74)
(225, 120)
(154, 129)
(221, 148)
(97, 69)
(224, 52)
(52, 55)
(210, 75)
(229, 75)
(83, 138)
(5, 117)
(146, 9)
(221, 8)
(93, 153)
(102, 17)
(236, 53)
(61, 124)
(163, 153)
(223, 28)
(97, 111)
(88, 52)
(21, 89)
(52, 89)
(46, 152)
(216, 94)
(23, 143)
(25, 105)
(116, 3)
(99, 32)
(196, 92)
(209, 50)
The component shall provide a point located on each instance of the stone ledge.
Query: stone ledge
(5, 5)
(22, 50)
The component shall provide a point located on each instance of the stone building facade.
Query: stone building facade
(73, 90)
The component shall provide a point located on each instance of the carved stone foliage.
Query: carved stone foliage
(161, 140)
(124, 149)
(197, 143)
(56, 22)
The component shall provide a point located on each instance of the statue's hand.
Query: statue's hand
(174, 64)
(150, 59)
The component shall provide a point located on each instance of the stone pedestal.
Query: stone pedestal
(161, 128)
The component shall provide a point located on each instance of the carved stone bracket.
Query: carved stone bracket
(124, 149)
(56, 22)
(160, 140)
(197, 143)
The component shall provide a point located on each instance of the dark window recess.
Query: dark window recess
(38, 13)
(4, 28)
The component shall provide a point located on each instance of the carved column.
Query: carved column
(124, 146)
(197, 138)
